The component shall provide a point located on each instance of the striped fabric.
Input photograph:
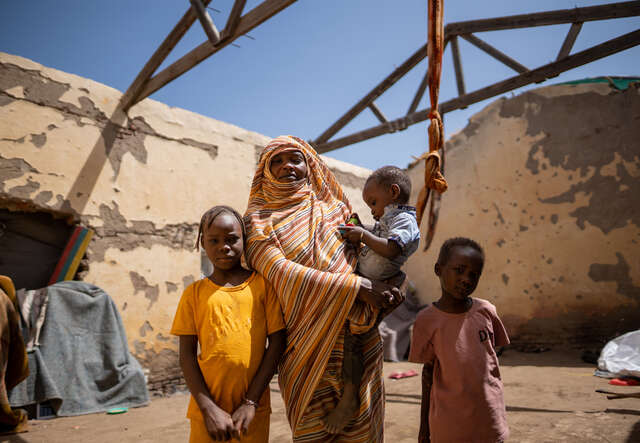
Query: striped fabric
(294, 243)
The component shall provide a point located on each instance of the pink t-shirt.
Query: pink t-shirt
(467, 404)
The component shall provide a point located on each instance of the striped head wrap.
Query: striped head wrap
(293, 242)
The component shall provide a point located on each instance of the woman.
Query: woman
(294, 209)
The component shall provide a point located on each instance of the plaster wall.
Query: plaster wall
(547, 183)
(141, 181)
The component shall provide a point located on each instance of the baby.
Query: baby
(387, 246)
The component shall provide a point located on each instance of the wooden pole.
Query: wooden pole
(206, 21)
(493, 52)
(377, 112)
(601, 12)
(129, 97)
(457, 65)
(250, 20)
(552, 69)
(234, 19)
(569, 40)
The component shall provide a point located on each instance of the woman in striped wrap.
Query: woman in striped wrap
(294, 209)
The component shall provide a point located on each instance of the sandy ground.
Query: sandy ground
(550, 398)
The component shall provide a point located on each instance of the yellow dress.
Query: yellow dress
(232, 324)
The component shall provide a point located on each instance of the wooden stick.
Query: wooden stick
(250, 20)
(419, 93)
(569, 40)
(601, 12)
(129, 97)
(234, 19)
(376, 111)
(602, 50)
(616, 395)
(385, 84)
(493, 52)
(206, 22)
(457, 66)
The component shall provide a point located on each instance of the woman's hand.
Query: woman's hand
(242, 417)
(379, 294)
(219, 424)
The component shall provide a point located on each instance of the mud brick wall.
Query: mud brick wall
(548, 183)
(140, 180)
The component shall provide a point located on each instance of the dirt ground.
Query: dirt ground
(550, 397)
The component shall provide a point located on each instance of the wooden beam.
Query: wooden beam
(206, 21)
(377, 112)
(493, 52)
(569, 40)
(234, 19)
(158, 57)
(385, 84)
(250, 20)
(423, 84)
(601, 12)
(457, 65)
(419, 93)
(552, 69)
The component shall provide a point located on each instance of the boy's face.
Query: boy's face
(460, 274)
(222, 241)
(377, 196)
(288, 166)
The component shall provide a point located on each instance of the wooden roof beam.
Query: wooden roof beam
(129, 97)
(601, 12)
(493, 52)
(206, 21)
(249, 21)
(552, 69)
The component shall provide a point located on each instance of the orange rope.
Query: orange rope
(433, 178)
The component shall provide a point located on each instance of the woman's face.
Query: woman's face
(288, 166)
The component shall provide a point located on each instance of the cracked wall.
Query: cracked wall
(547, 182)
(141, 181)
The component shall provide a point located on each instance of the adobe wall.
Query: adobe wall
(548, 183)
(141, 181)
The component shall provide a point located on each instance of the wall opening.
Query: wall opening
(31, 245)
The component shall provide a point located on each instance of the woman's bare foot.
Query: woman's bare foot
(338, 419)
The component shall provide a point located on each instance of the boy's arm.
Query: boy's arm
(382, 246)
(245, 412)
(218, 422)
(424, 435)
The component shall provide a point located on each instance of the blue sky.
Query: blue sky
(307, 65)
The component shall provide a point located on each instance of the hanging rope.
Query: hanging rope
(433, 178)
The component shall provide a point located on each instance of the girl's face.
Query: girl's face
(223, 242)
(459, 276)
(288, 166)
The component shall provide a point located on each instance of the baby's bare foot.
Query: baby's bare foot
(338, 419)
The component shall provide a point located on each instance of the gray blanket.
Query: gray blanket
(83, 364)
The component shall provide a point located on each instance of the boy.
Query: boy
(387, 246)
(462, 393)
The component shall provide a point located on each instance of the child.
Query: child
(394, 237)
(230, 314)
(462, 397)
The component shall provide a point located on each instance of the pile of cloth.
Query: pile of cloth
(78, 356)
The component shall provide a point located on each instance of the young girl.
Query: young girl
(462, 397)
(230, 314)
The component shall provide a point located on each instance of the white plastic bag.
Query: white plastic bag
(621, 356)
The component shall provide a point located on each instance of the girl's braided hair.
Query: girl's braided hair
(211, 214)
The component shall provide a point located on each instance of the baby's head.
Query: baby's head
(459, 266)
(385, 186)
